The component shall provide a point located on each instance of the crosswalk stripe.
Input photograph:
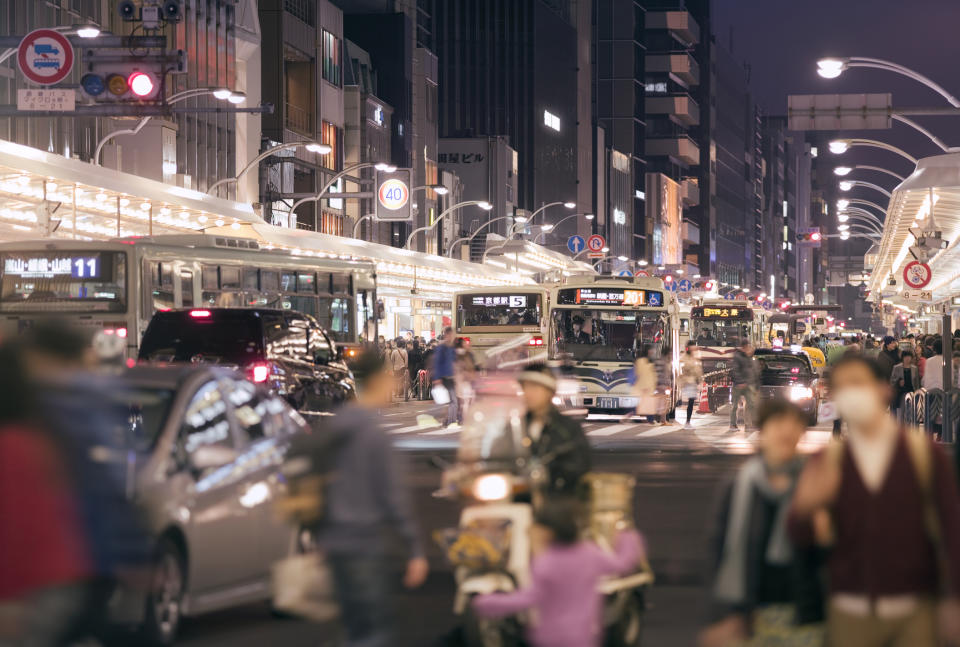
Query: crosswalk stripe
(404, 430)
(659, 431)
(609, 431)
(443, 431)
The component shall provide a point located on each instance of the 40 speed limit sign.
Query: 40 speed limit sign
(393, 195)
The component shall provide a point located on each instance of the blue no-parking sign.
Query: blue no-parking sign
(575, 244)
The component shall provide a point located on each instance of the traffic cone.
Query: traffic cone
(704, 406)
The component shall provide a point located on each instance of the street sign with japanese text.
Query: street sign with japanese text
(45, 56)
(46, 99)
(393, 195)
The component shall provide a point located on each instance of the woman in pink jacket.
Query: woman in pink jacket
(565, 574)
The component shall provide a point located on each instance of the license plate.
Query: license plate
(608, 403)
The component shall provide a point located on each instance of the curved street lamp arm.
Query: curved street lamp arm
(860, 221)
(474, 234)
(870, 185)
(356, 225)
(865, 217)
(253, 163)
(879, 169)
(936, 140)
(866, 203)
(465, 203)
(887, 147)
(890, 66)
(326, 187)
(116, 133)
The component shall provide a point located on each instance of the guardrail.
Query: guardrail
(926, 409)
(718, 388)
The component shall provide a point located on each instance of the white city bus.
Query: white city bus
(601, 324)
(505, 327)
(117, 285)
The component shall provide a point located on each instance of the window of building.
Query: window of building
(332, 59)
(333, 137)
(551, 120)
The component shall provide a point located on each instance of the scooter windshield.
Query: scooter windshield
(493, 433)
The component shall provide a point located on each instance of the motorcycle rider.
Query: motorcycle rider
(553, 437)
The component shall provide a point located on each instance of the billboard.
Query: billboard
(665, 216)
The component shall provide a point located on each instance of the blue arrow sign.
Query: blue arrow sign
(685, 285)
(624, 273)
(575, 244)
(670, 285)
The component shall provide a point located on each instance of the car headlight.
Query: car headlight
(800, 393)
(491, 487)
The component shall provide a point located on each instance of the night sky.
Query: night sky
(781, 41)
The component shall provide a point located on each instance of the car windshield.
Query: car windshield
(783, 365)
(607, 335)
(234, 339)
(718, 332)
(148, 408)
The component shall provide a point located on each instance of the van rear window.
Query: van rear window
(229, 338)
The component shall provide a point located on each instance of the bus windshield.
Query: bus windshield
(607, 335)
(63, 281)
(498, 310)
(719, 332)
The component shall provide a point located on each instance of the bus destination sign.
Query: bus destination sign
(720, 312)
(609, 297)
(38, 267)
(511, 301)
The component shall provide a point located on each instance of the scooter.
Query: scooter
(490, 549)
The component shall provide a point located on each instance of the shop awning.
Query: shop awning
(43, 194)
(933, 187)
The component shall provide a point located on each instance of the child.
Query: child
(565, 574)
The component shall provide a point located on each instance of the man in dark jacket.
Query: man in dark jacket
(744, 380)
(366, 498)
(556, 439)
(889, 356)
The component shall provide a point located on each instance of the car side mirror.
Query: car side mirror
(211, 456)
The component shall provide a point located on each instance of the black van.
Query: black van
(286, 351)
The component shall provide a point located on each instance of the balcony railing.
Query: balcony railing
(680, 65)
(302, 9)
(299, 120)
(680, 107)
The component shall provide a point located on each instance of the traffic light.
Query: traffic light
(123, 81)
(810, 236)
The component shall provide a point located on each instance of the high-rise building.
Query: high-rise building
(302, 75)
(508, 68)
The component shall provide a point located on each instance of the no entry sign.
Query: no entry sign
(45, 56)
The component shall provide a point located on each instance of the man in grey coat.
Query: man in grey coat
(744, 381)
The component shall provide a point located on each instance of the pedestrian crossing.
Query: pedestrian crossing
(711, 431)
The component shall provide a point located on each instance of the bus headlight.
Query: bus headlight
(800, 393)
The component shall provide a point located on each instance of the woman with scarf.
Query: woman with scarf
(759, 595)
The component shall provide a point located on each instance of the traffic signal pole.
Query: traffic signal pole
(128, 110)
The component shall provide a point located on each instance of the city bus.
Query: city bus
(599, 325)
(717, 328)
(117, 285)
(505, 327)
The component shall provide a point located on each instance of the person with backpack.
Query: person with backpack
(364, 496)
(892, 522)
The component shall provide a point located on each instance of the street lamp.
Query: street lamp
(568, 205)
(861, 213)
(844, 171)
(846, 185)
(474, 234)
(831, 68)
(483, 204)
(841, 146)
(219, 93)
(313, 147)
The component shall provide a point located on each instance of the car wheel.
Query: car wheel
(165, 598)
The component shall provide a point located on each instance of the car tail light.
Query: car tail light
(535, 341)
(200, 314)
(108, 331)
(259, 372)
(131, 362)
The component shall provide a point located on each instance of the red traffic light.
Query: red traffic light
(815, 236)
(140, 84)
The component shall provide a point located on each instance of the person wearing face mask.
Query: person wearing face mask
(758, 577)
(893, 522)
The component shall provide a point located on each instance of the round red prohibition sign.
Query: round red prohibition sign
(917, 275)
(45, 56)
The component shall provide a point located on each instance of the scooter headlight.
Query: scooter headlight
(800, 393)
(491, 487)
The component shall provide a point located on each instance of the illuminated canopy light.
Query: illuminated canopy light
(842, 170)
(846, 185)
(843, 204)
(839, 146)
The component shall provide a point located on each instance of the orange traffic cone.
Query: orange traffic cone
(704, 406)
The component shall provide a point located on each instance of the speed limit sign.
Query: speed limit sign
(393, 195)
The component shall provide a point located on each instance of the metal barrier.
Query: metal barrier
(926, 410)
(718, 388)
